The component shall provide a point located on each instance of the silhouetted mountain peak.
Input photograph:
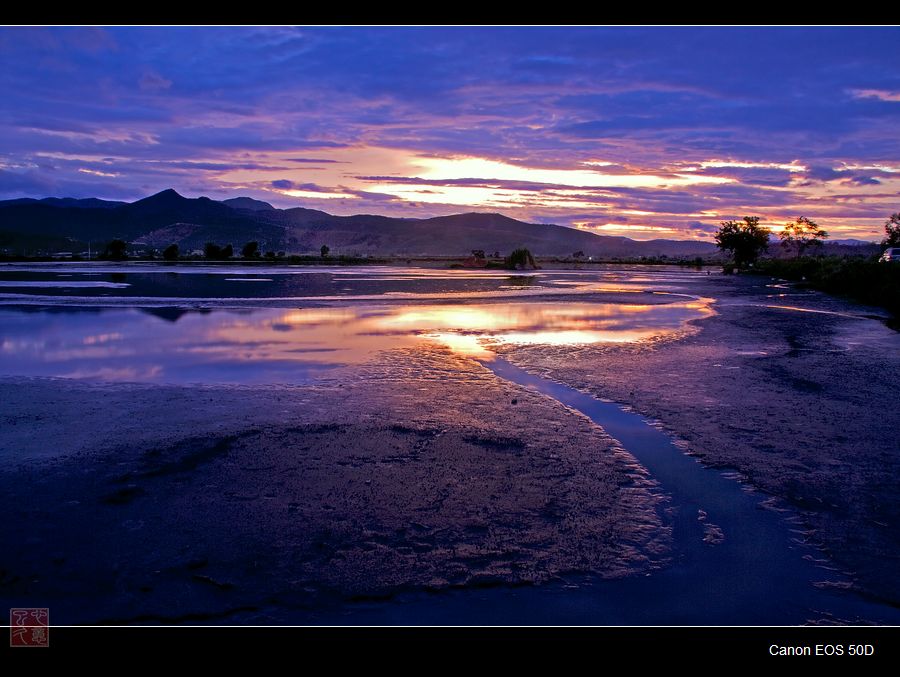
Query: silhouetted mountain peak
(166, 197)
(247, 203)
(476, 219)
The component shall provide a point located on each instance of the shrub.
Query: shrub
(866, 280)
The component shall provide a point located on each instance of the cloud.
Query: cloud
(96, 172)
(306, 160)
(846, 175)
(312, 191)
(756, 176)
(823, 173)
(153, 82)
(49, 184)
(356, 109)
(860, 180)
(702, 227)
(506, 184)
(880, 94)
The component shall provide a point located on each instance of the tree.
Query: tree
(116, 250)
(892, 231)
(212, 251)
(325, 249)
(170, 253)
(520, 258)
(250, 250)
(802, 234)
(744, 239)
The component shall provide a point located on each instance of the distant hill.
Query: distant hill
(247, 203)
(858, 248)
(852, 242)
(845, 247)
(167, 217)
(86, 203)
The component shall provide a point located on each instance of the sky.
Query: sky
(637, 131)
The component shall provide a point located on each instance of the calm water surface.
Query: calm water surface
(199, 326)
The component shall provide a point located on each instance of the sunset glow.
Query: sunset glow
(534, 124)
(556, 328)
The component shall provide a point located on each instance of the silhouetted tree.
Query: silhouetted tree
(212, 251)
(478, 253)
(892, 231)
(578, 255)
(745, 240)
(116, 250)
(227, 252)
(325, 249)
(170, 253)
(250, 250)
(802, 234)
(520, 258)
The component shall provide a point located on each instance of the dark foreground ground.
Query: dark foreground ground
(803, 405)
(423, 470)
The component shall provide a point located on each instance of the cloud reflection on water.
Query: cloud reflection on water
(277, 346)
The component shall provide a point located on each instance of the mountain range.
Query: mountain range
(54, 224)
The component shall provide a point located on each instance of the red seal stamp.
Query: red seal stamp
(29, 627)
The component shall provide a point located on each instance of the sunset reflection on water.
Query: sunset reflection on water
(277, 345)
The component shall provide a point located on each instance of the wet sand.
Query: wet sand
(140, 503)
(802, 405)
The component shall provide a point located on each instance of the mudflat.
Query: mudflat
(418, 470)
(141, 503)
(800, 404)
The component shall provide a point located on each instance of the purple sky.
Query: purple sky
(645, 132)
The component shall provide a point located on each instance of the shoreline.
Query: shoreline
(782, 398)
(758, 388)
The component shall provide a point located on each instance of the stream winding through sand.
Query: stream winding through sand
(735, 560)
